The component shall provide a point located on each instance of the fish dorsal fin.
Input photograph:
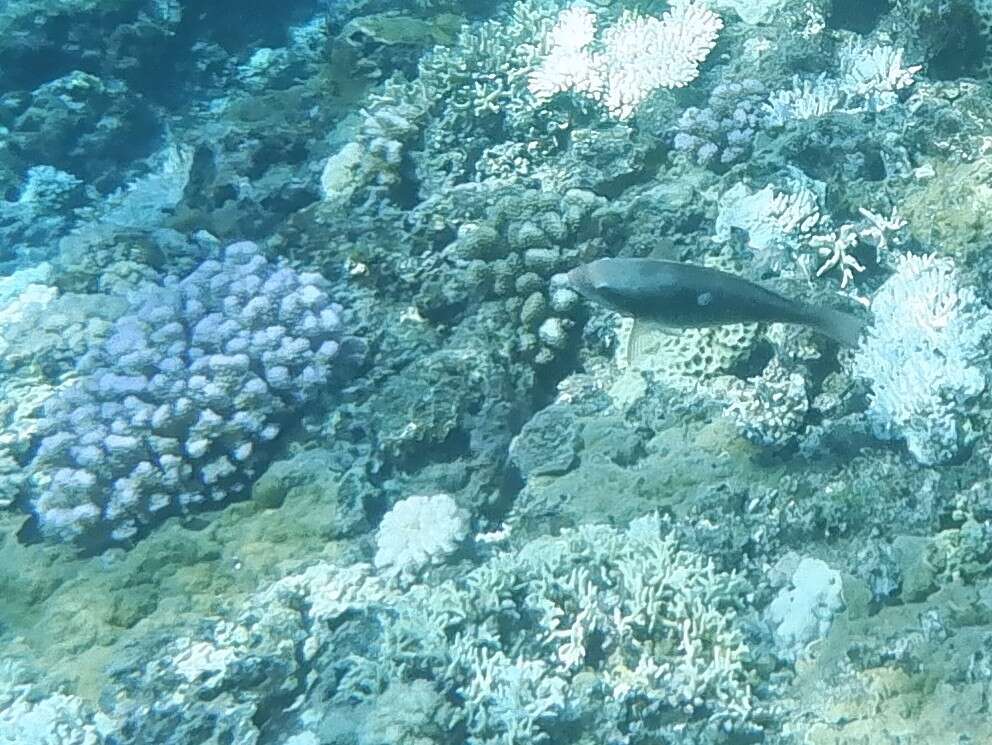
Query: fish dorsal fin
(639, 341)
(663, 249)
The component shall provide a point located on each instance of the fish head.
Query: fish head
(601, 281)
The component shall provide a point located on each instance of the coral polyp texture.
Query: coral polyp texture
(175, 408)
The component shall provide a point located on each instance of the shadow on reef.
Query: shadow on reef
(861, 17)
(959, 38)
(148, 49)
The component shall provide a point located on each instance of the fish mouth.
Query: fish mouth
(578, 279)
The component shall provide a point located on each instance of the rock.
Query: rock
(548, 444)
(309, 477)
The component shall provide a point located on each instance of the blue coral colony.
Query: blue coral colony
(311, 435)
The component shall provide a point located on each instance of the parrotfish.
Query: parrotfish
(677, 295)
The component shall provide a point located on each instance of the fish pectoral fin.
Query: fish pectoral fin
(639, 340)
(663, 249)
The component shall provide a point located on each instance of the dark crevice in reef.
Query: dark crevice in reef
(861, 16)
(154, 56)
(959, 44)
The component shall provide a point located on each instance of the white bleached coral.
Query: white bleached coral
(769, 409)
(804, 608)
(769, 216)
(598, 622)
(28, 714)
(806, 99)
(633, 58)
(654, 623)
(778, 222)
(925, 357)
(871, 75)
(418, 531)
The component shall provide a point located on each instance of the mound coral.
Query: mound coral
(175, 407)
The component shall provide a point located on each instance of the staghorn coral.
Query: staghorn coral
(475, 100)
(652, 625)
(871, 76)
(471, 114)
(593, 628)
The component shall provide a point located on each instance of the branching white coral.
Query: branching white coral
(807, 99)
(879, 230)
(787, 232)
(925, 357)
(775, 221)
(874, 72)
(835, 249)
(633, 58)
(509, 696)
(568, 65)
(871, 75)
(521, 640)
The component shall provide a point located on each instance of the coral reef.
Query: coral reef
(417, 531)
(583, 613)
(173, 410)
(771, 408)
(28, 715)
(925, 357)
(722, 133)
(804, 608)
(639, 55)
(525, 519)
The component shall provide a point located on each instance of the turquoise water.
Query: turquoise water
(319, 425)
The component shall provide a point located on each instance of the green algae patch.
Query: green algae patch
(76, 616)
(948, 206)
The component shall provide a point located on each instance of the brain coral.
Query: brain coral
(175, 407)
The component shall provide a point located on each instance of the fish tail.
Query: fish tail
(844, 328)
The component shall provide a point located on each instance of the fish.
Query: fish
(679, 295)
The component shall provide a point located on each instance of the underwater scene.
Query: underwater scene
(495, 372)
